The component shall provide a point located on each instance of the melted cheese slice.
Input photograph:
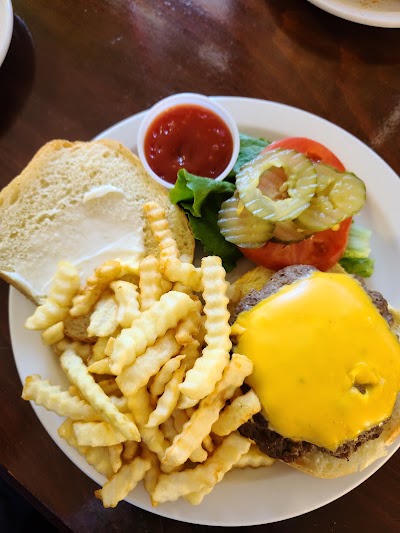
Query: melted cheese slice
(326, 364)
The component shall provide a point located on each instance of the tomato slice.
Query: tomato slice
(323, 249)
(312, 149)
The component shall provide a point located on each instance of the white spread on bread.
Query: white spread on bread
(98, 192)
(86, 237)
(79, 202)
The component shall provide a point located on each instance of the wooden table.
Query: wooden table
(75, 68)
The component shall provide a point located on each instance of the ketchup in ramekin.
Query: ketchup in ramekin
(188, 131)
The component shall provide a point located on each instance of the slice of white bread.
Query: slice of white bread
(79, 202)
(316, 462)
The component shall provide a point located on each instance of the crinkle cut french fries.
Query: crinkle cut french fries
(155, 393)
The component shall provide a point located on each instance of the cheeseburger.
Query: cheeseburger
(326, 368)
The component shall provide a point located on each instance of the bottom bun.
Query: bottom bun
(321, 464)
(316, 462)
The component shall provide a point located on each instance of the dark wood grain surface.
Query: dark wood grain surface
(75, 68)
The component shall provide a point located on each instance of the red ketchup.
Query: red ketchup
(191, 137)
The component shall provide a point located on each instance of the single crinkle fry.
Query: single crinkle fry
(53, 334)
(130, 450)
(110, 343)
(95, 286)
(100, 367)
(191, 352)
(168, 429)
(189, 326)
(140, 407)
(121, 483)
(164, 377)
(152, 324)
(65, 285)
(237, 413)
(74, 391)
(52, 398)
(171, 486)
(97, 433)
(150, 282)
(104, 318)
(200, 423)
(151, 477)
(195, 498)
(177, 286)
(254, 458)
(127, 297)
(208, 444)
(78, 374)
(208, 368)
(160, 228)
(167, 402)
(186, 273)
(98, 350)
(180, 418)
(192, 435)
(83, 349)
(170, 264)
(114, 453)
(130, 267)
(97, 457)
(109, 386)
(121, 403)
(185, 402)
(138, 374)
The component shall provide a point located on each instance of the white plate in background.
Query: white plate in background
(381, 13)
(249, 497)
(6, 27)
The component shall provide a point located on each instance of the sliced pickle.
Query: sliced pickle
(300, 185)
(242, 228)
(341, 198)
(326, 176)
(289, 232)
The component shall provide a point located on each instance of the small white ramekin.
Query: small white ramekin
(190, 99)
(6, 27)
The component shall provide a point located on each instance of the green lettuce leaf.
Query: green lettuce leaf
(360, 266)
(355, 259)
(191, 191)
(201, 199)
(206, 230)
(250, 147)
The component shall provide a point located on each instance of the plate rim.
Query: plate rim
(164, 511)
(360, 15)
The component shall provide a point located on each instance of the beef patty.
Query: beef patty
(268, 441)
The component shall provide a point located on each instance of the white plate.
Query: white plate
(250, 497)
(382, 13)
(6, 27)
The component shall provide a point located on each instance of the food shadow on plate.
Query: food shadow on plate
(16, 75)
